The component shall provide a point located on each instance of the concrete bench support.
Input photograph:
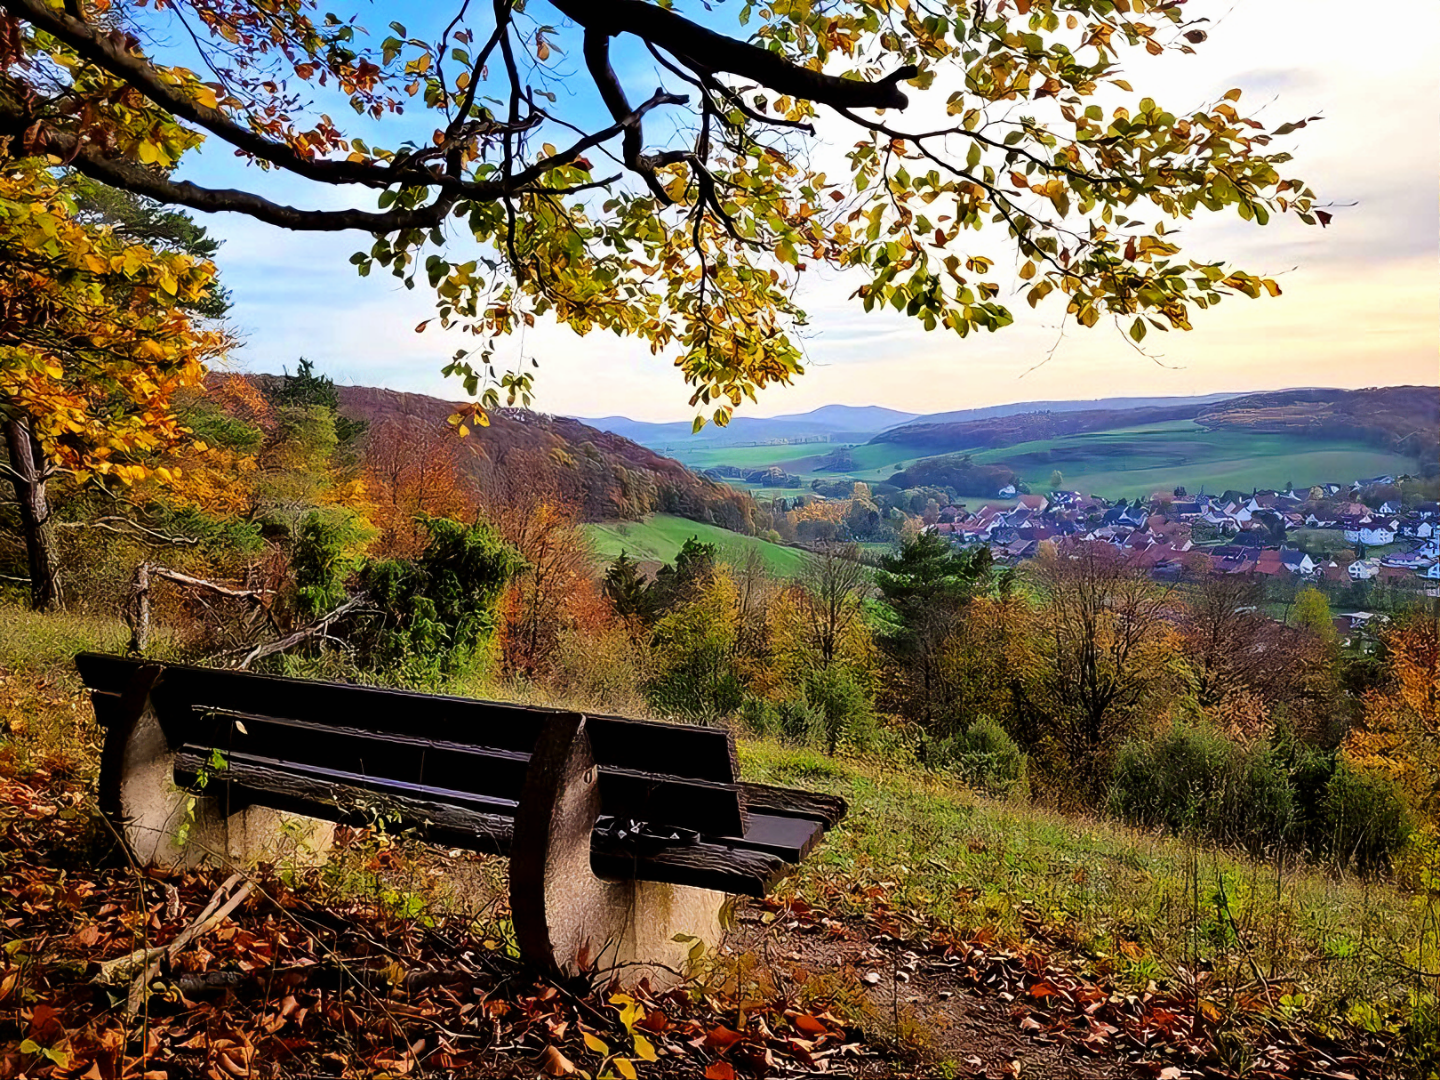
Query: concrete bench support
(568, 921)
(165, 825)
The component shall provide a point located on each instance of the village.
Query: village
(1326, 533)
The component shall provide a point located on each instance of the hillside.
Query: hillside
(991, 411)
(660, 538)
(950, 436)
(608, 476)
(1400, 419)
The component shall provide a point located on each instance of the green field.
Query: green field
(660, 538)
(1120, 463)
(748, 457)
(1136, 461)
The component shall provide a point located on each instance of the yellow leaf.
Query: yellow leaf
(594, 1042)
(625, 1068)
(643, 1049)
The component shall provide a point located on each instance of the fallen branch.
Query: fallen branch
(315, 977)
(149, 962)
(305, 633)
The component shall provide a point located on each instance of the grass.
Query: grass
(751, 457)
(660, 538)
(1136, 907)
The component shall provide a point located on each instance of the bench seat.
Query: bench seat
(454, 769)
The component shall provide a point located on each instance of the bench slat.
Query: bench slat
(790, 838)
(448, 819)
(790, 802)
(713, 809)
(696, 753)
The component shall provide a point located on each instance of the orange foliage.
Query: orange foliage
(1400, 734)
(413, 469)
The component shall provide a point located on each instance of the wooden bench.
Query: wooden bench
(621, 833)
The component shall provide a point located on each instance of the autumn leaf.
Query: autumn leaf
(554, 1063)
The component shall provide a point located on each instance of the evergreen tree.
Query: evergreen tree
(628, 591)
(925, 588)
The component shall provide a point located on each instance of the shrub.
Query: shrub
(437, 613)
(847, 716)
(759, 716)
(985, 757)
(1191, 778)
(799, 720)
(1366, 818)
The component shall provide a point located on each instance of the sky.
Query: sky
(1361, 301)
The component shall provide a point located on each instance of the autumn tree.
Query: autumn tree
(98, 332)
(1400, 733)
(1104, 645)
(526, 507)
(414, 469)
(829, 592)
(695, 240)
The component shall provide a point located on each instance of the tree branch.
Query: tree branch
(705, 50)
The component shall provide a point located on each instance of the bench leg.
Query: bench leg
(568, 921)
(164, 825)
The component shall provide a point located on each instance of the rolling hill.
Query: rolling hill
(609, 477)
(660, 538)
(1399, 419)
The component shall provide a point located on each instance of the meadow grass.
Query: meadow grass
(661, 536)
(1130, 905)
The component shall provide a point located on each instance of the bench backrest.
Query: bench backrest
(475, 752)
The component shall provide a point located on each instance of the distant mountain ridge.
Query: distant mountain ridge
(835, 423)
(853, 423)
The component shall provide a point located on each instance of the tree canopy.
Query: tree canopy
(977, 136)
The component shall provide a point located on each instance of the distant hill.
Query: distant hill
(1400, 419)
(608, 476)
(943, 437)
(835, 423)
(1094, 405)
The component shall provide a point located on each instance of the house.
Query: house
(1374, 481)
(1431, 572)
(1270, 563)
(1428, 509)
(1184, 510)
(1133, 516)
(1390, 506)
(1034, 503)
(1006, 492)
(1297, 562)
(1364, 569)
(1370, 531)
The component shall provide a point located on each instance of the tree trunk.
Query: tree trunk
(28, 477)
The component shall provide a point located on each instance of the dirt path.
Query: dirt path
(918, 1003)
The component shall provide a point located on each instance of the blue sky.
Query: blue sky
(1361, 304)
